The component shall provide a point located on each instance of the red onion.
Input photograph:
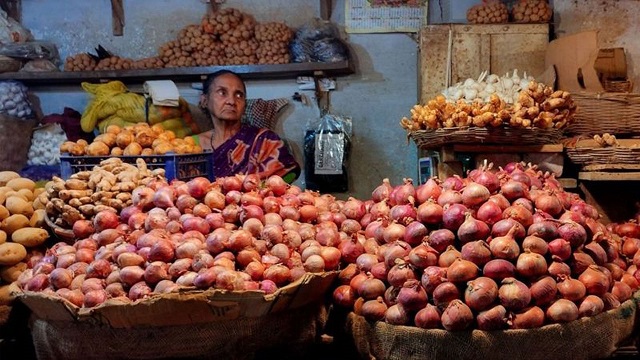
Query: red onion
(494, 318)
(543, 291)
(478, 252)
(531, 265)
(441, 239)
(382, 191)
(472, 229)
(454, 182)
(453, 216)
(449, 197)
(514, 295)
(489, 213)
(403, 194)
(502, 227)
(399, 273)
(571, 289)
(591, 305)
(457, 316)
(403, 214)
(528, 318)
(520, 214)
(433, 276)
(514, 189)
(535, 244)
(428, 318)
(412, 296)
(499, 269)
(505, 247)
(448, 256)
(374, 310)
(474, 194)
(480, 293)
(461, 271)
(423, 256)
(595, 281)
(344, 296)
(429, 190)
(562, 311)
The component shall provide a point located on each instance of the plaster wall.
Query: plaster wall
(382, 90)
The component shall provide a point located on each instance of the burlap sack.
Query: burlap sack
(287, 334)
(15, 139)
(586, 338)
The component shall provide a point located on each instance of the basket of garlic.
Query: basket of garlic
(492, 110)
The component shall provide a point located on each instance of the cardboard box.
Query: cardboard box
(611, 64)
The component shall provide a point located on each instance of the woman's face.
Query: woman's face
(226, 99)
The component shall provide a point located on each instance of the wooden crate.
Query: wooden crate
(454, 52)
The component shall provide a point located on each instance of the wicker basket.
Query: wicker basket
(61, 233)
(623, 86)
(607, 155)
(613, 113)
(427, 139)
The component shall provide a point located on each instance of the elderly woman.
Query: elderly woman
(240, 148)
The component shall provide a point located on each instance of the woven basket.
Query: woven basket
(623, 86)
(61, 233)
(603, 155)
(15, 137)
(613, 113)
(427, 139)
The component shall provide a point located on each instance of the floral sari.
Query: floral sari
(267, 155)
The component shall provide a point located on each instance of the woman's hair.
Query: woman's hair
(206, 84)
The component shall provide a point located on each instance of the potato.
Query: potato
(108, 139)
(30, 236)
(37, 219)
(21, 183)
(18, 205)
(133, 149)
(97, 148)
(7, 293)
(3, 237)
(6, 176)
(38, 191)
(4, 213)
(10, 274)
(124, 138)
(5, 189)
(15, 193)
(12, 253)
(28, 194)
(13, 223)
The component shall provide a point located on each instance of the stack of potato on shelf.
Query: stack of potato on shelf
(224, 37)
(134, 140)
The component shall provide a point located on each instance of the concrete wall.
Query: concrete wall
(382, 90)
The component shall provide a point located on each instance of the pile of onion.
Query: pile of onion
(237, 233)
(499, 249)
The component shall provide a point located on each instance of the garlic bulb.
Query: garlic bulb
(507, 87)
(45, 145)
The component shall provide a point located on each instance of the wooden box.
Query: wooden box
(451, 53)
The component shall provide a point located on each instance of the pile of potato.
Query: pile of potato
(108, 186)
(134, 140)
(531, 11)
(489, 12)
(224, 37)
(22, 228)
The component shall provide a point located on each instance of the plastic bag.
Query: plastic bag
(327, 145)
(14, 99)
(319, 41)
(11, 31)
(32, 50)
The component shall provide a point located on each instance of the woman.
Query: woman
(240, 148)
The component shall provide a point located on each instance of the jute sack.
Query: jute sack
(15, 139)
(587, 338)
(287, 333)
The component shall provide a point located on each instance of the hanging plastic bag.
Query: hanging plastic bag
(327, 145)
(318, 40)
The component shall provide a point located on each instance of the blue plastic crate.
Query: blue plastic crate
(181, 167)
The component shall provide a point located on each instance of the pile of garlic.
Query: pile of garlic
(507, 88)
(45, 145)
(14, 99)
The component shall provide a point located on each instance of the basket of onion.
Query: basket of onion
(501, 264)
(190, 269)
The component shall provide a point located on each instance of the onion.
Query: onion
(628, 229)
(562, 311)
(344, 296)
(454, 182)
(449, 197)
(382, 191)
(448, 256)
(415, 232)
(531, 265)
(580, 262)
(478, 252)
(423, 256)
(82, 229)
(514, 295)
(595, 281)
(520, 214)
(371, 288)
(596, 252)
(535, 245)
(528, 318)
(513, 190)
(105, 219)
(461, 271)
(403, 214)
(499, 269)
(574, 233)
(457, 316)
(480, 293)
(453, 216)
(441, 239)
(400, 273)
(472, 229)
(433, 276)
(489, 212)
(571, 289)
(591, 305)
(428, 317)
(505, 247)
(543, 291)
(429, 190)
(374, 310)
(621, 291)
(61, 278)
(403, 194)
(474, 194)
(353, 208)
(494, 318)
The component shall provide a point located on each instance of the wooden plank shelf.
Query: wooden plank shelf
(183, 74)
(604, 167)
(609, 176)
(547, 148)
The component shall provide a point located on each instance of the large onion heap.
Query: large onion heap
(495, 250)
(237, 233)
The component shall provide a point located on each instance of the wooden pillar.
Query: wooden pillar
(117, 17)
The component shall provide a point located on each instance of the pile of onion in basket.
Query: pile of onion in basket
(236, 233)
(496, 250)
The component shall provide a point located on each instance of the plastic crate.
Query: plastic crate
(181, 167)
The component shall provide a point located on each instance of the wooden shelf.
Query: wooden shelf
(183, 74)
(608, 176)
(547, 148)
